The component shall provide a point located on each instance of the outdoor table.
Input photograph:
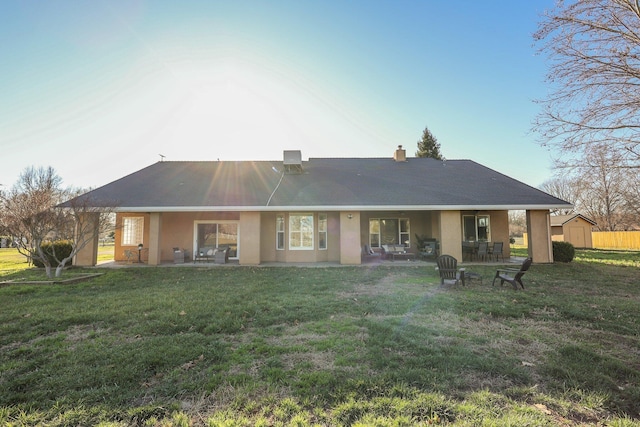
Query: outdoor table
(408, 255)
(470, 275)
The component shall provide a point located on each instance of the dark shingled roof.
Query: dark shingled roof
(559, 220)
(327, 183)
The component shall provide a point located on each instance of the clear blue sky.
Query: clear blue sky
(98, 89)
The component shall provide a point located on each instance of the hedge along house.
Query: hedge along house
(320, 210)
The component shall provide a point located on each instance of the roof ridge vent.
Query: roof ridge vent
(292, 161)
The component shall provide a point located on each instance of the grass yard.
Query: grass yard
(105, 252)
(352, 346)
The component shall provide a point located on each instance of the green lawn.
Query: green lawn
(379, 345)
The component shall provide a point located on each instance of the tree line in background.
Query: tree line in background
(591, 117)
(601, 190)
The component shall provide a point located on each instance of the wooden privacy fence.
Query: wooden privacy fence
(616, 239)
(611, 239)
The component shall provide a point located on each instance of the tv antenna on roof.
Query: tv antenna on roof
(162, 156)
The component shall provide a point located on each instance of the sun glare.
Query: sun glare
(245, 111)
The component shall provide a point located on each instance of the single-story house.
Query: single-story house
(320, 210)
(575, 229)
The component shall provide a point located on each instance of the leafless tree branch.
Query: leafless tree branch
(594, 52)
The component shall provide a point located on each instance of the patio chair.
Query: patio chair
(204, 254)
(429, 250)
(368, 253)
(512, 275)
(496, 251)
(221, 255)
(448, 270)
(483, 251)
(128, 256)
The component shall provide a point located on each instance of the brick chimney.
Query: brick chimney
(400, 155)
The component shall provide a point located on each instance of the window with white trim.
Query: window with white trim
(280, 232)
(132, 230)
(389, 231)
(322, 231)
(476, 228)
(301, 231)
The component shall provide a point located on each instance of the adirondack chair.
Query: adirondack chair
(512, 275)
(448, 269)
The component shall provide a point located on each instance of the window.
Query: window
(280, 232)
(374, 233)
(389, 231)
(476, 228)
(216, 235)
(322, 231)
(404, 233)
(132, 230)
(301, 231)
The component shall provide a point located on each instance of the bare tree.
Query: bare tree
(594, 52)
(517, 223)
(32, 216)
(601, 188)
(632, 197)
(565, 188)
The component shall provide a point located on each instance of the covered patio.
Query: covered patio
(318, 211)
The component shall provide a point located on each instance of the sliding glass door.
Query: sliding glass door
(216, 234)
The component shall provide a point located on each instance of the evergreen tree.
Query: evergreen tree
(428, 146)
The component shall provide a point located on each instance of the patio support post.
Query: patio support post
(155, 225)
(350, 249)
(451, 234)
(88, 255)
(539, 236)
(249, 238)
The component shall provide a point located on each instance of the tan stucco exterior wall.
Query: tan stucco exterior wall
(451, 234)
(177, 230)
(268, 250)
(119, 248)
(539, 236)
(155, 239)
(350, 249)
(499, 221)
(249, 239)
(87, 256)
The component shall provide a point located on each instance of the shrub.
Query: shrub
(62, 248)
(563, 252)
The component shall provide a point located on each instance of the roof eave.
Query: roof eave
(337, 208)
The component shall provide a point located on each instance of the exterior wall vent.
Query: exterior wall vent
(292, 161)
(400, 155)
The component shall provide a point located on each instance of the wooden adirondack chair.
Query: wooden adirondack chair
(447, 267)
(512, 275)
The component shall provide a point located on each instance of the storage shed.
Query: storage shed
(575, 229)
